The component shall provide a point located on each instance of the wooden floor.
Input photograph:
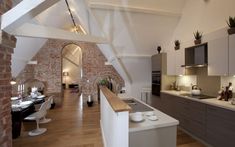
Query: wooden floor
(76, 125)
(72, 125)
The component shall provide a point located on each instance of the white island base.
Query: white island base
(158, 133)
(159, 137)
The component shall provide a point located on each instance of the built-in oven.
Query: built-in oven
(156, 83)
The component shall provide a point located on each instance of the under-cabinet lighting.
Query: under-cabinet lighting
(180, 75)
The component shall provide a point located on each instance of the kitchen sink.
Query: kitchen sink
(137, 106)
(202, 96)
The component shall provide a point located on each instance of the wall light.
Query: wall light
(13, 81)
(234, 76)
(65, 73)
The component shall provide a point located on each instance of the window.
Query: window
(21, 89)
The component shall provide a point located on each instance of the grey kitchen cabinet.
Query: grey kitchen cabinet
(156, 102)
(214, 125)
(220, 130)
(159, 62)
(156, 62)
(191, 114)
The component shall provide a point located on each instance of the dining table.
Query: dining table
(21, 108)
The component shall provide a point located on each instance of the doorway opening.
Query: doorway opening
(72, 67)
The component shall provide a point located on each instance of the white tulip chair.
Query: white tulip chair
(44, 119)
(37, 116)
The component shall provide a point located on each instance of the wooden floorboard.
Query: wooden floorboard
(76, 125)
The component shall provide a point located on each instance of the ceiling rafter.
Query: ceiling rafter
(126, 8)
(25, 11)
(38, 31)
(71, 61)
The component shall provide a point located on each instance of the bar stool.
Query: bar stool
(145, 92)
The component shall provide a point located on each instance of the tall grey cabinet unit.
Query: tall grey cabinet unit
(159, 62)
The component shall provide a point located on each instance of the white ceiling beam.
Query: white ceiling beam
(38, 31)
(133, 56)
(119, 66)
(24, 12)
(71, 61)
(126, 8)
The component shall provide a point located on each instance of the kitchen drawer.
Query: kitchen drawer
(220, 129)
(223, 114)
(216, 139)
(196, 128)
(221, 125)
(196, 113)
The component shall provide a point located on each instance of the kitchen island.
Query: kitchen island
(153, 133)
(119, 131)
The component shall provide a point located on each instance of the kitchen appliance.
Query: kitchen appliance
(195, 90)
(156, 82)
(196, 56)
(137, 106)
(201, 96)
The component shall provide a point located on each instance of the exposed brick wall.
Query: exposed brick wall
(49, 67)
(5, 5)
(7, 43)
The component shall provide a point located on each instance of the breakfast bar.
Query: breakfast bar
(120, 127)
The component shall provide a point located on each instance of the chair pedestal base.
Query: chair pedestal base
(37, 132)
(44, 120)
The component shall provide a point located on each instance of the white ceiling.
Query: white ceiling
(130, 32)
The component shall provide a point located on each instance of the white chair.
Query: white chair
(44, 119)
(37, 116)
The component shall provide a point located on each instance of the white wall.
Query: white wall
(25, 49)
(135, 34)
(202, 16)
(140, 71)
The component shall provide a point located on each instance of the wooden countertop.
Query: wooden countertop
(115, 102)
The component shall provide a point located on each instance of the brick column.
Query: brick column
(7, 44)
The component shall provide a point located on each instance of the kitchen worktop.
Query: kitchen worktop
(210, 101)
(164, 120)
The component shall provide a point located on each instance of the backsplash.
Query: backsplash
(226, 80)
(186, 81)
(210, 85)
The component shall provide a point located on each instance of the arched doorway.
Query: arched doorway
(71, 67)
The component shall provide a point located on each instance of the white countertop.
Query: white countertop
(164, 120)
(211, 101)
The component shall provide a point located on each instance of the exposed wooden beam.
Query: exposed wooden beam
(24, 12)
(71, 61)
(126, 8)
(38, 31)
